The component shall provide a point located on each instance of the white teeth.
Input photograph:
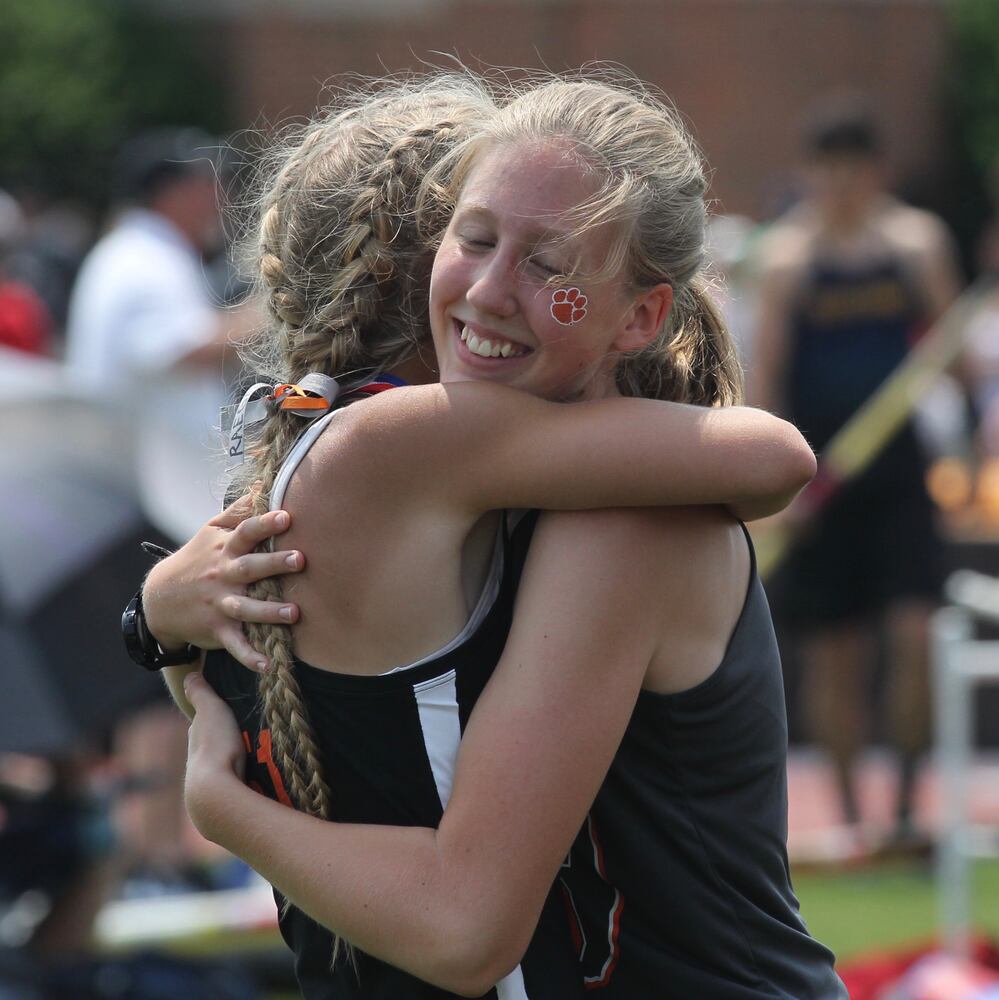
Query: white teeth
(483, 348)
(486, 348)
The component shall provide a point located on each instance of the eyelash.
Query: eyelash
(477, 244)
(470, 242)
(549, 269)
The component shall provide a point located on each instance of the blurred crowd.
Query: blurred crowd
(118, 345)
(117, 350)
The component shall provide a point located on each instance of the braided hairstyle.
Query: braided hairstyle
(344, 270)
(651, 185)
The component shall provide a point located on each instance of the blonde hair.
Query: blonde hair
(344, 264)
(344, 272)
(651, 184)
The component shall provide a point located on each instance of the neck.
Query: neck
(603, 385)
(415, 370)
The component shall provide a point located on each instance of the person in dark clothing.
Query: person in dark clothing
(851, 277)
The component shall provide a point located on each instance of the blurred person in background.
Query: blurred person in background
(144, 332)
(144, 328)
(25, 322)
(849, 279)
(982, 364)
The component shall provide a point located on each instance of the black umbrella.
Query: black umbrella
(69, 561)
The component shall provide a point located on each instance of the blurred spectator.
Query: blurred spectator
(143, 329)
(850, 277)
(983, 372)
(25, 323)
(144, 335)
(24, 320)
(55, 238)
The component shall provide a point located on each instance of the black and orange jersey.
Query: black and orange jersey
(388, 745)
(678, 885)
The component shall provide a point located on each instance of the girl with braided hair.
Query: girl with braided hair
(578, 193)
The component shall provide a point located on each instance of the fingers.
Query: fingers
(240, 649)
(237, 512)
(249, 609)
(260, 565)
(254, 530)
(196, 689)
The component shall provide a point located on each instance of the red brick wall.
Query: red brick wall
(742, 71)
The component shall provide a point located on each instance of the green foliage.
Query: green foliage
(78, 76)
(975, 78)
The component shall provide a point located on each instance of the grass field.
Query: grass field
(859, 911)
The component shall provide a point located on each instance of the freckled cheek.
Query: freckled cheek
(446, 275)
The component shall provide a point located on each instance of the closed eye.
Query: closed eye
(548, 268)
(476, 241)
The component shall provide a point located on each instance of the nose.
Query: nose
(493, 292)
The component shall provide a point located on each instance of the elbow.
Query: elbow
(807, 464)
(473, 961)
(475, 978)
(798, 465)
(789, 468)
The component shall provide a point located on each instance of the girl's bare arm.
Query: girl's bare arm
(490, 447)
(457, 905)
(483, 447)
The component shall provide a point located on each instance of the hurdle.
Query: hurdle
(962, 664)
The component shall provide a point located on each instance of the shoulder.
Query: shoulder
(786, 248)
(913, 231)
(413, 444)
(672, 581)
(668, 547)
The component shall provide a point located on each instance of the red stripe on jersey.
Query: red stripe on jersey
(372, 387)
(575, 931)
(614, 918)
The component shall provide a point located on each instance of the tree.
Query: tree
(975, 78)
(79, 76)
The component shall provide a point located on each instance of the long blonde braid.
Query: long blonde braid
(344, 272)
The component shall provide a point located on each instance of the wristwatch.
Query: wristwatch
(141, 644)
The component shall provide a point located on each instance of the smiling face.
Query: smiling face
(495, 312)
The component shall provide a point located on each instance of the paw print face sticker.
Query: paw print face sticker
(568, 306)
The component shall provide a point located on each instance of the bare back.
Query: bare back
(393, 574)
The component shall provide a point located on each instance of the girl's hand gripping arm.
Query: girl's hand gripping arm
(197, 595)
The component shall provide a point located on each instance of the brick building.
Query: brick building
(742, 71)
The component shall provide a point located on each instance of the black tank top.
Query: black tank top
(679, 884)
(851, 327)
(388, 745)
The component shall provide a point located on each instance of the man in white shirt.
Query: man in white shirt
(144, 331)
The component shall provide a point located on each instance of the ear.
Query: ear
(645, 318)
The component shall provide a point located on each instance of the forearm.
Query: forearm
(390, 891)
(645, 453)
